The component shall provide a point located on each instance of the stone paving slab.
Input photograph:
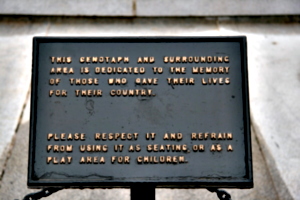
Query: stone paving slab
(150, 7)
(216, 7)
(133, 27)
(14, 86)
(15, 75)
(274, 77)
(22, 26)
(67, 7)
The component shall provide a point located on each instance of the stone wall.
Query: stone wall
(150, 8)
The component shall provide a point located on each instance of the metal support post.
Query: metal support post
(142, 192)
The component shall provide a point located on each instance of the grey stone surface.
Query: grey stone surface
(274, 77)
(14, 85)
(13, 185)
(273, 48)
(67, 7)
(150, 7)
(14, 27)
(216, 7)
(15, 74)
(133, 27)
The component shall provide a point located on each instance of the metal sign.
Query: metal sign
(113, 112)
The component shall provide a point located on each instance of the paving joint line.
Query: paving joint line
(218, 24)
(134, 8)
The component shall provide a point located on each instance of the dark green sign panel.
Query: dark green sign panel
(113, 112)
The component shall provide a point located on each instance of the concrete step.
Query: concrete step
(273, 62)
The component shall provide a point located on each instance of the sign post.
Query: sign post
(171, 112)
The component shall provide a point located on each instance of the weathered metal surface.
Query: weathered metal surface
(199, 119)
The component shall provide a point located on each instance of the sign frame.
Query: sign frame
(216, 182)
